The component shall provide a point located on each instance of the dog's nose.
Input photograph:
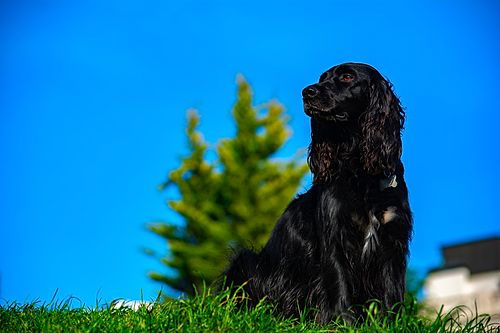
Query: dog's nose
(310, 92)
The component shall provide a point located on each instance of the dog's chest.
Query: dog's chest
(359, 220)
(369, 227)
(368, 232)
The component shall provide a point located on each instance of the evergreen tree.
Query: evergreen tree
(231, 202)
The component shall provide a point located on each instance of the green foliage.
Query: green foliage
(414, 282)
(232, 201)
(221, 313)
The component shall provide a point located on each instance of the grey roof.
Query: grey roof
(478, 256)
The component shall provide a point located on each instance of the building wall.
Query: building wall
(453, 287)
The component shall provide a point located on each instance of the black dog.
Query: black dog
(345, 241)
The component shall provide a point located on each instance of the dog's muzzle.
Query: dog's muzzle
(310, 95)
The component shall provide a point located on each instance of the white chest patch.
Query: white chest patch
(371, 241)
(389, 214)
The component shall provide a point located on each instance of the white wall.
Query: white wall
(453, 287)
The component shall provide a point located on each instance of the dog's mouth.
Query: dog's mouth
(327, 115)
(342, 116)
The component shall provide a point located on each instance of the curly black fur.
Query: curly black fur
(345, 241)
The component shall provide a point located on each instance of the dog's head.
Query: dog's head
(357, 96)
(341, 93)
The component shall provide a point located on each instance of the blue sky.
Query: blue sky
(93, 97)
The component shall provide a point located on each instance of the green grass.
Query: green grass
(219, 313)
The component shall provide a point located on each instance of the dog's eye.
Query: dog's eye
(346, 77)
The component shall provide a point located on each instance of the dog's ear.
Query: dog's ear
(320, 157)
(381, 126)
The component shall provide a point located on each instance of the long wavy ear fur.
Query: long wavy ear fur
(381, 127)
(321, 153)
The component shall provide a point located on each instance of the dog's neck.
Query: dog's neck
(334, 150)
